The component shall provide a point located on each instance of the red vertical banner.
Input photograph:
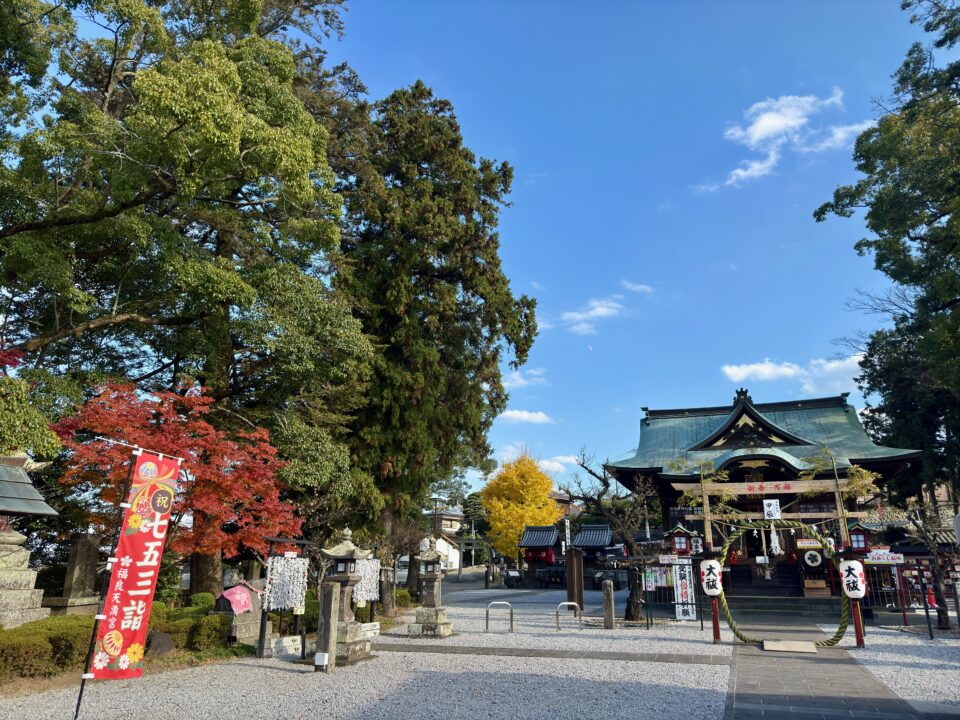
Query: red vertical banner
(122, 632)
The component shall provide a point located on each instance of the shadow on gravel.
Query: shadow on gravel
(511, 696)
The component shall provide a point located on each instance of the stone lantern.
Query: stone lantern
(432, 617)
(351, 645)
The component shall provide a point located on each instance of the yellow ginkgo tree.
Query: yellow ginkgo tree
(517, 496)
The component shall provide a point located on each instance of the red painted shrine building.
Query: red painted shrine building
(736, 456)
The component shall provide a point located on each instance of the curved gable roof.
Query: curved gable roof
(668, 437)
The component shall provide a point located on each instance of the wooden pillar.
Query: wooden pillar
(707, 524)
(841, 514)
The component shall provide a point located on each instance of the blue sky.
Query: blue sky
(668, 159)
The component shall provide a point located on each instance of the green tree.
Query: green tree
(167, 211)
(422, 264)
(909, 192)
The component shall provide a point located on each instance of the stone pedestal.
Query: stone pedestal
(352, 644)
(19, 601)
(431, 622)
(78, 597)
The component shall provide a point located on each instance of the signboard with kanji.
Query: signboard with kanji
(771, 509)
(883, 557)
(683, 592)
(122, 632)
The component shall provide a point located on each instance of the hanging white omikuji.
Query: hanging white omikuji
(286, 583)
(368, 589)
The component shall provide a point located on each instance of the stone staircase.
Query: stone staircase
(745, 607)
(19, 601)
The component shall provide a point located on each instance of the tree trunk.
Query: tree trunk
(634, 610)
(940, 595)
(413, 574)
(206, 573)
(387, 604)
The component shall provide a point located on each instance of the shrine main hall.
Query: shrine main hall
(797, 452)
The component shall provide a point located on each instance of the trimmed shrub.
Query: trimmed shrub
(202, 600)
(24, 654)
(311, 610)
(210, 631)
(403, 598)
(45, 647)
(158, 614)
(178, 630)
(69, 638)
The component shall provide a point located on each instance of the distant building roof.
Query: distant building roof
(18, 496)
(675, 442)
(539, 536)
(593, 536)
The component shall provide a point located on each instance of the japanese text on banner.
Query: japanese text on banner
(121, 637)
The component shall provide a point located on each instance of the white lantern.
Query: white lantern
(710, 577)
(853, 579)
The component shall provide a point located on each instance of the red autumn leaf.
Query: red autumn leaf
(234, 498)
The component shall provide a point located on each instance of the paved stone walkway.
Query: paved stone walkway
(797, 686)
(679, 658)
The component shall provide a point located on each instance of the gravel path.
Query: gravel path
(910, 664)
(400, 686)
(535, 627)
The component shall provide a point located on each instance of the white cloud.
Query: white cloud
(582, 321)
(557, 464)
(636, 287)
(536, 417)
(762, 371)
(836, 137)
(536, 285)
(833, 376)
(584, 328)
(511, 451)
(780, 123)
(817, 376)
(520, 378)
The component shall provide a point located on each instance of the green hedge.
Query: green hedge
(203, 600)
(178, 630)
(210, 631)
(403, 598)
(45, 647)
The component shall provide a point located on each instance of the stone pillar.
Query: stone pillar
(431, 590)
(78, 596)
(328, 626)
(432, 617)
(351, 643)
(19, 601)
(608, 609)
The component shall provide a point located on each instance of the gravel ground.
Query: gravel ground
(910, 664)
(401, 686)
(535, 627)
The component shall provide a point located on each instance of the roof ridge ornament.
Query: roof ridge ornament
(742, 395)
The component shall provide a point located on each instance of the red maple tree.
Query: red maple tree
(229, 496)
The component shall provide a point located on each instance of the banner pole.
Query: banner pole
(105, 587)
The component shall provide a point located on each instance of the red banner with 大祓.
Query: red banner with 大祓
(122, 632)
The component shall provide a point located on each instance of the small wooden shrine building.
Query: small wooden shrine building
(797, 452)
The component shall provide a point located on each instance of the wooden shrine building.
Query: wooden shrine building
(797, 452)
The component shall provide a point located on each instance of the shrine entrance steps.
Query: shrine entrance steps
(789, 608)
